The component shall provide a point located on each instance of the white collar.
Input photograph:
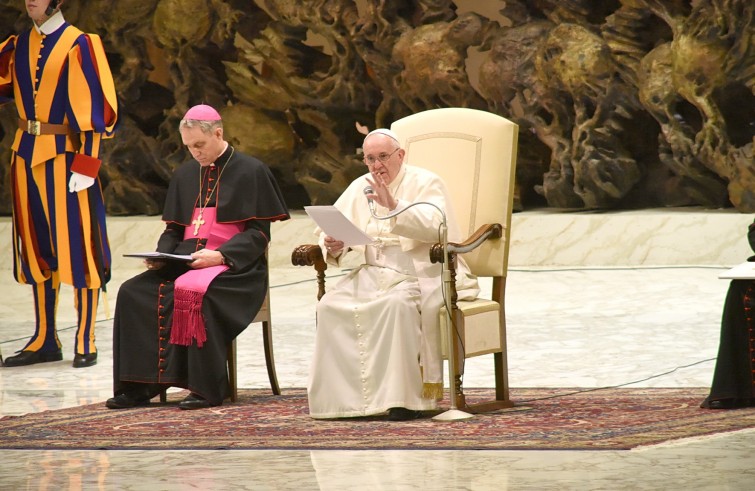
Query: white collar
(52, 24)
(225, 148)
(393, 186)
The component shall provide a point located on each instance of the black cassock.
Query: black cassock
(734, 375)
(243, 190)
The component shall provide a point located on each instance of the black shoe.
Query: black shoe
(32, 357)
(194, 401)
(136, 397)
(719, 404)
(402, 414)
(125, 401)
(81, 361)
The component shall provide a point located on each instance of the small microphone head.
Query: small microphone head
(370, 202)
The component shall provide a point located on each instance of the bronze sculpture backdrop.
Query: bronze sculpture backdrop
(621, 103)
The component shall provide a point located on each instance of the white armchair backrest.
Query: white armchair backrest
(474, 152)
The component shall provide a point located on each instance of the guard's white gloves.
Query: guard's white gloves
(79, 182)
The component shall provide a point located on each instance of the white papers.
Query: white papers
(335, 224)
(744, 271)
(161, 255)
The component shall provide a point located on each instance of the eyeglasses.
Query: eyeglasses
(382, 157)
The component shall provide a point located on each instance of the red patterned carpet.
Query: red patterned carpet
(558, 419)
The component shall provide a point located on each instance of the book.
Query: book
(744, 271)
(161, 255)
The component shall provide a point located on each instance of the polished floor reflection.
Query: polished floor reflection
(567, 327)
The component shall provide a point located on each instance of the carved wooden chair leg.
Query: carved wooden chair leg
(501, 385)
(267, 340)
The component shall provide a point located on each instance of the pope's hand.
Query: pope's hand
(333, 246)
(79, 182)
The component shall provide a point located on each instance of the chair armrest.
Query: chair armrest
(308, 255)
(311, 255)
(485, 232)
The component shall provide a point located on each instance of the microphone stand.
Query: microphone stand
(452, 414)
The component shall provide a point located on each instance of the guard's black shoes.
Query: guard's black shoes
(87, 360)
(32, 357)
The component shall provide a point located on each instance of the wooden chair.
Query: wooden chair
(475, 154)
(264, 317)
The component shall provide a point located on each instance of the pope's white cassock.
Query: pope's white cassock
(377, 344)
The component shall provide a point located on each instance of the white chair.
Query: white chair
(475, 154)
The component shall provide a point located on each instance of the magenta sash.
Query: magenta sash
(190, 287)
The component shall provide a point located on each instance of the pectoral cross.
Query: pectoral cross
(378, 244)
(197, 222)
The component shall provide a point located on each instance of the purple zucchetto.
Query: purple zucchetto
(202, 112)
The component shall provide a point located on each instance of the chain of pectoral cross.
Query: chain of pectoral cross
(378, 243)
(198, 222)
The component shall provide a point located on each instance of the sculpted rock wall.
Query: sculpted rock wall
(621, 103)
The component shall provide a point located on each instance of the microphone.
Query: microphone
(370, 201)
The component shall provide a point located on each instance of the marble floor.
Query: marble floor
(641, 326)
